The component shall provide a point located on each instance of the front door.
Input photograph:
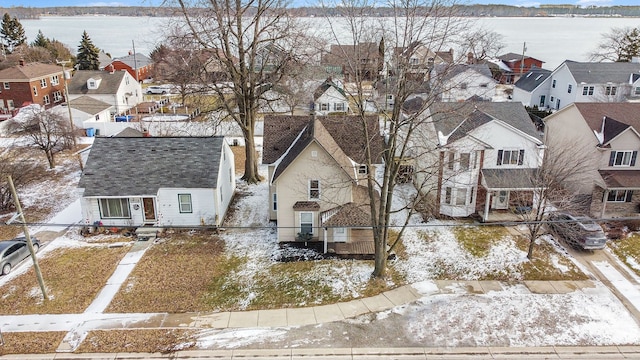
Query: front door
(501, 200)
(542, 101)
(149, 210)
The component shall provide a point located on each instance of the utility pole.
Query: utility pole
(524, 48)
(25, 228)
(66, 96)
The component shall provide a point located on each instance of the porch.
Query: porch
(359, 249)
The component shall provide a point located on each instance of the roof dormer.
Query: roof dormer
(93, 83)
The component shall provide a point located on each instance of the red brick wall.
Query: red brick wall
(22, 92)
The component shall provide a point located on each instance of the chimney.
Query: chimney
(470, 59)
(21, 62)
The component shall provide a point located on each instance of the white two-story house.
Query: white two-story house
(118, 89)
(330, 97)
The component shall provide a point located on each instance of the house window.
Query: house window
(35, 91)
(450, 163)
(553, 84)
(338, 106)
(230, 176)
(92, 84)
(461, 196)
(569, 89)
(97, 117)
(57, 96)
(6, 85)
(43, 83)
(184, 202)
(510, 157)
(114, 208)
(45, 100)
(610, 90)
(414, 61)
(551, 99)
(274, 202)
(447, 195)
(620, 196)
(623, 158)
(324, 107)
(587, 90)
(465, 159)
(126, 80)
(306, 223)
(314, 189)
(54, 80)
(363, 170)
(636, 91)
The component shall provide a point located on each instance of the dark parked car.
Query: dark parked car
(14, 251)
(578, 231)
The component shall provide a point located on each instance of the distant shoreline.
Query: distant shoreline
(464, 10)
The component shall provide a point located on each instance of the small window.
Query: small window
(43, 83)
(230, 176)
(447, 195)
(97, 117)
(551, 99)
(306, 223)
(184, 201)
(275, 202)
(461, 196)
(338, 106)
(314, 189)
(465, 159)
(46, 100)
(451, 161)
(363, 170)
(6, 85)
(324, 107)
(57, 96)
(35, 91)
(587, 90)
(553, 84)
(54, 80)
(569, 89)
(620, 196)
(610, 90)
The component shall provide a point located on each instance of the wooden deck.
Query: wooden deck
(359, 248)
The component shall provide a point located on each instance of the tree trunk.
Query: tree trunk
(50, 159)
(251, 175)
(532, 243)
(380, 268)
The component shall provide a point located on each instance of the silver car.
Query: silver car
(578, 231)
(14, 251)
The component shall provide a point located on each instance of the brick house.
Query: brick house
(32, 83)
(518, 65)
(139, 66)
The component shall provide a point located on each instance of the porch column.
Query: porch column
(324, 232)
(605, 196)
(486, 205)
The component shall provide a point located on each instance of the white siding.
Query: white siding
(332, 97)
(203, 207)
(226, 182)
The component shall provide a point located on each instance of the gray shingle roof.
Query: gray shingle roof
(602, 72)
(532, 79)
(109, 85)
(450, 71)
(123, 166)
(509, 178)
(89, 105)
(447, 116)
(136, 61)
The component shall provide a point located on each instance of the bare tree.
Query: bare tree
(254, 43)
(482, 43)
(22, 171)
(46, 130)
(619, 44)
(412, 37)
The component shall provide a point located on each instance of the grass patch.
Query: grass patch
(148, 340)
(73, 278)
(173, 276)
(547, 264)
(627, 250)
(31, 342)
(477, 240)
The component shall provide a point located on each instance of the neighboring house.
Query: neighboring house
(355, 62)
(317, 180)
(157, 181)
(532, 89)
(488, 155)
(419, 60)
(118, 89)
(461, 82)
(604, 138)
(517, 65)
(32, 83)
(330, 97)
(139, 66)
(592, 82)
(86, 109)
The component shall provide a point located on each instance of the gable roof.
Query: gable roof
(593, 113)
(134, 61)
(137, 166)
(129, 132)
(324, 87)
(451, 116)
(110, 82)
(612, 128)
(602, 72)
(280, 131)
(451, 71)
(89, 105)
(532, 79)
(29, 71)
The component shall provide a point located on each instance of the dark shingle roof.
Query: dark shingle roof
(451, 71)
(447, 116)
(602, 72)
(126, 166)
(593, 113)
(109, 84)
(532, 79)
(621, 178)
(281, 130)
(612, 128)
(136, 61)
(29, 71)
(349, 214)
(509, 178)
(89, 105)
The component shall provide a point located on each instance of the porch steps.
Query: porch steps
(147, 233)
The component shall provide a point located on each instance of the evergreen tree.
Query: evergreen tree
(629, 45)
(41, 41)
(87, 58)
(11, 33)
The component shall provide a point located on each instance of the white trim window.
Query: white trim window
(510, 157)
(324, 107)
(363, 170)
(43, 83)
(610, 90)
(314, 189)
(6, 85)
(184, 202)
(306, 223)
(587, 90)
(57, 96)
(636, 91)
(35, 91)
(620, 196)
(461, 196)
(54, 80)
(623, 158)
(116, 208)
(46, 100)
(275, 202)
(338, 106)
